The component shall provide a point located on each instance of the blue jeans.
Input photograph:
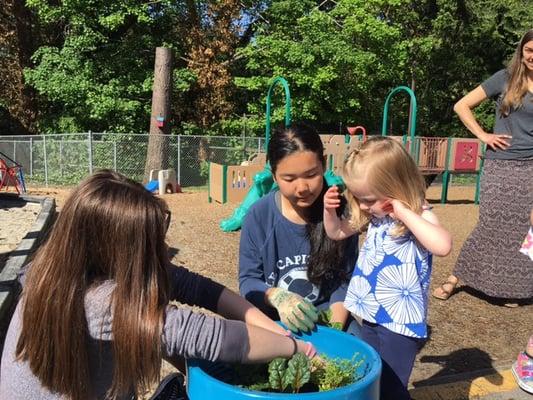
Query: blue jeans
(397, 354)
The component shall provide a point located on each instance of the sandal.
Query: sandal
(446, 289)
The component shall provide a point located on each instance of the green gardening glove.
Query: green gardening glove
(294, 311)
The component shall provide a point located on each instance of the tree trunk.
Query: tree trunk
(18, 39)
(157, 155)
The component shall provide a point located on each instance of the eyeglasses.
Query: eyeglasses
(167, 219)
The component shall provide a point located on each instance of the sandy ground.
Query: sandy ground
(16, 219)
(468, 332)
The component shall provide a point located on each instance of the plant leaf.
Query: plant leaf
(276, 372)
(298, 372)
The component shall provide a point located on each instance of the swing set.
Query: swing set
(11, 174)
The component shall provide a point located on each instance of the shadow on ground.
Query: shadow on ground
(463, 365)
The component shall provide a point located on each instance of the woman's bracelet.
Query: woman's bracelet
(295, 350)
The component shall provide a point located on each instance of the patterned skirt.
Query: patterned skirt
(490, 260)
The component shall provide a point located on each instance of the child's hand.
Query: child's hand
(332, 198)
(394, 208)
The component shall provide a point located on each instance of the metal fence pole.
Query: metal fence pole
(90, 148)
(15, 150)
(31, 157)
(61, 157)
(115, 155)
(45, 161)
(179, 160)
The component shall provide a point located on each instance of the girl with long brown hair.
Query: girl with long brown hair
(487, 261)
(288, 267)
(94, 320)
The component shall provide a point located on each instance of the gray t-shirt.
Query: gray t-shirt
(185, 334)
(518, 124)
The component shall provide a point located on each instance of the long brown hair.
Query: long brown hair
(517, 83)
(390, 172)
(110, 228)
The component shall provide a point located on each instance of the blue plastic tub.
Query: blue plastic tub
(333, 343)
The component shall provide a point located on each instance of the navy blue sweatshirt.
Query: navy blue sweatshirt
(274, 252)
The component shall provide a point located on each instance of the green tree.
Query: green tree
(341, 59)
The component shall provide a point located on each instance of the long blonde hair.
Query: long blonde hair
(110, 228)
(516, 87)
(390, 172)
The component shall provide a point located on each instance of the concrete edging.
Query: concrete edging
(9, 286)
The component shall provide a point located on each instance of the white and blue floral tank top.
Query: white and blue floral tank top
(390, 282)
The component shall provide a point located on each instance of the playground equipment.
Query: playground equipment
(433, 155)
(11, 174)
(438, 155)
(231, 182)
(163, 181)
(203, 384)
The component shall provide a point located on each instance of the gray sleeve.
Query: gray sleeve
(194, 335)
(193, 289)
(495, 85)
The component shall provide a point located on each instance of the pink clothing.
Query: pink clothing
(527, 246)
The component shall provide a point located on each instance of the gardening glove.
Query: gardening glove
(294, 311)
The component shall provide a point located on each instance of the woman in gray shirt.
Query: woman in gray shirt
(488, 260)
(94, 320)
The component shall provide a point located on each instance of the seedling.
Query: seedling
(299, 374)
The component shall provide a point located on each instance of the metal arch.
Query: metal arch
(413, 106)
(283, 82)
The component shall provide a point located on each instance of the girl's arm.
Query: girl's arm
(265, 346)
(194, 289)
(338, 313)
(426, 228)
(336, 228)
(463, 108)
(252, 273)
(190, 334)
(232, 306)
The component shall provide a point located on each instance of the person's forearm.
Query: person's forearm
(467, 117)
(336, 228)
(233, 306)
(265, 345)
(339, 314)
(434, 238)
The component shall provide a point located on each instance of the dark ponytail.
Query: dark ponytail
(327, 259)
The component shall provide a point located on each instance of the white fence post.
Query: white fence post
(31, 157)
(90, 148)
(179, 160)
(61, 157)
(45, 161)
(115, 154)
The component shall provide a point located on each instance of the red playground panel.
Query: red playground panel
(466, 155)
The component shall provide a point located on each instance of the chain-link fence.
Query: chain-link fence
(64, 159)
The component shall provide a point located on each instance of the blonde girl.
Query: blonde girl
(389, 286)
